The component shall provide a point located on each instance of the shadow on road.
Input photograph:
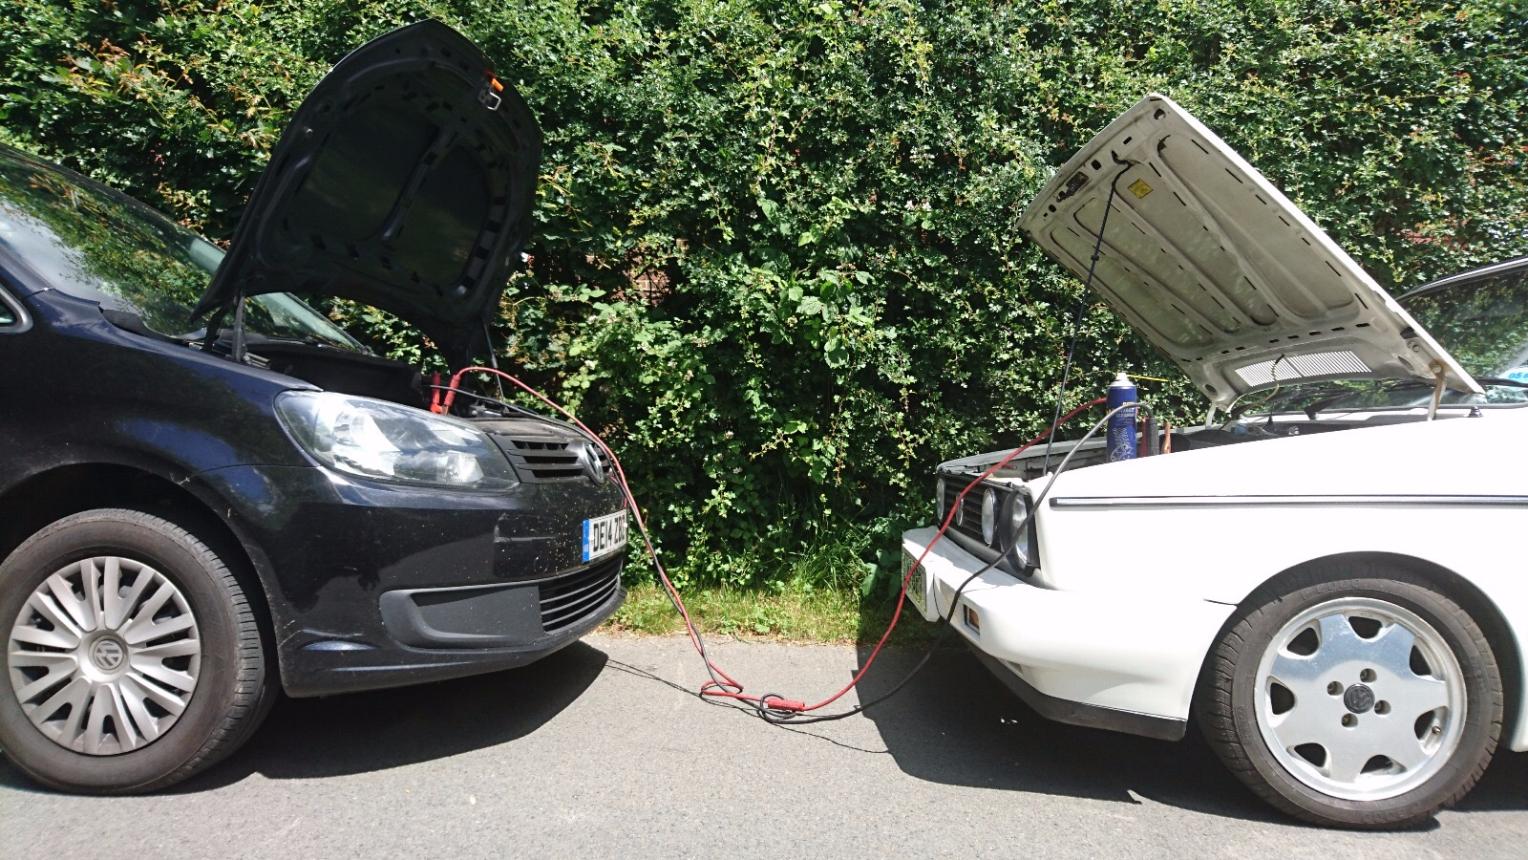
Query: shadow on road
(1503, 788)
(956, 724)
(363, 732)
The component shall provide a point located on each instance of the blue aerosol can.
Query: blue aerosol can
(1122, 444)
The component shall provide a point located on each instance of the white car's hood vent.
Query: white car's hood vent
(1220, 270)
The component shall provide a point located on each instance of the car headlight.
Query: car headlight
(989, 515)
(939, 499)
(1017, 528)
(378, 439)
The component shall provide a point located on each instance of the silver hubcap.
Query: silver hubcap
(104, 656)
(1360, 699)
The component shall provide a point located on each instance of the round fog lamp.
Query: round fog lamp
(989, 516)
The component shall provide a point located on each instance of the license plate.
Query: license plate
(916, 590)
(604, 535)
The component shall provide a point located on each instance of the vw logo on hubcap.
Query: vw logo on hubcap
(1358, 698)
(107, 654)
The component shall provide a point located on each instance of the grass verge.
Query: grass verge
(790, 614)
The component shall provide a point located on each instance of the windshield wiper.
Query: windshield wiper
(1404, 384)
(1502, 381)
(222, 336)
(1320, 405)
(1281, 401)
(1483, 380)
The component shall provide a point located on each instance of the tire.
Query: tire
(157, 684)
(1279, 707)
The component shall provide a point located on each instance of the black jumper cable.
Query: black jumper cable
(773, 707)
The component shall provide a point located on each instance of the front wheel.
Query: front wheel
(133, 658)
(1357, 698)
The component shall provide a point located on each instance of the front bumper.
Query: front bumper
(438, 634)
(373, 585)
(1125, 661)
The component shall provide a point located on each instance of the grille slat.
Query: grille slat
(559, 618)
(539, 459)
(568, 599)
(554, 621)
(971, 524)
(572, 595)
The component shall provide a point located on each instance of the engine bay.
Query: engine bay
(1037, 462)
(345, 371)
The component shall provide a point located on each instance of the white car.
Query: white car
(1328, 575)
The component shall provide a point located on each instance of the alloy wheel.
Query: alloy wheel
(1360, 699)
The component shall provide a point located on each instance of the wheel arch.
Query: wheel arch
(1480, 606)
(28, 506)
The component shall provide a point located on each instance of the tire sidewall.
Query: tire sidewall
(1482, 703)
(186, 564)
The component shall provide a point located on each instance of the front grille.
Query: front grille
(971, 523)
(543, 459)
(569, 599)
(968, 531)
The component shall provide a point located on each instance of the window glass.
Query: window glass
(1483, 323)
(95, 244)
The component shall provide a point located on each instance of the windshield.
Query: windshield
(105, 247)
(1482, 322)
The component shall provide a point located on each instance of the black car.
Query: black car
(209, 491)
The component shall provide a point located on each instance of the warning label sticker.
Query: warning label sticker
(1139, 188)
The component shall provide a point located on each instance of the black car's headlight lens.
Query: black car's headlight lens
(989, 515)
(378, 439)
(939, 498)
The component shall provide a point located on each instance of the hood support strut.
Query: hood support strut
(1437, 393)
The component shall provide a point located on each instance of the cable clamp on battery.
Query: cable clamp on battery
(489, 96)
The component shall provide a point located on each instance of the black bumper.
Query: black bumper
(373, 585)
(337, 666)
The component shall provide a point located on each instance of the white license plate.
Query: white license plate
(916, 590)
(604, 535)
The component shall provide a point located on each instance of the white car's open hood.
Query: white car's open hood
(1220, 270)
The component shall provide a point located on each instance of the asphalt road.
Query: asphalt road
(585, 754)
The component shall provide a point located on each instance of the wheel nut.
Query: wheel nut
(1334, 688)
(1366, 675)
(1381, 707)
(1349, 720)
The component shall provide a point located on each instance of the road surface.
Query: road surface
(585, 754)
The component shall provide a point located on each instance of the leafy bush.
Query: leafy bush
(778, 258)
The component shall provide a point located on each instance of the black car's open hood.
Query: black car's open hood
(404, 181)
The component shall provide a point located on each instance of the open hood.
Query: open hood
(404, 181)
(1220, 270)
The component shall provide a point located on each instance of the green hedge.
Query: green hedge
(778, 257)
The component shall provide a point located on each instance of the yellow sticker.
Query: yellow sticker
(1140, 189)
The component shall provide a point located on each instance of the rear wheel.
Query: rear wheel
(1359, 698)
(133, 658)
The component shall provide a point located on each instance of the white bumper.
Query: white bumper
(1132, 651)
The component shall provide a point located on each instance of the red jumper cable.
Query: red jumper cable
(721, 684)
